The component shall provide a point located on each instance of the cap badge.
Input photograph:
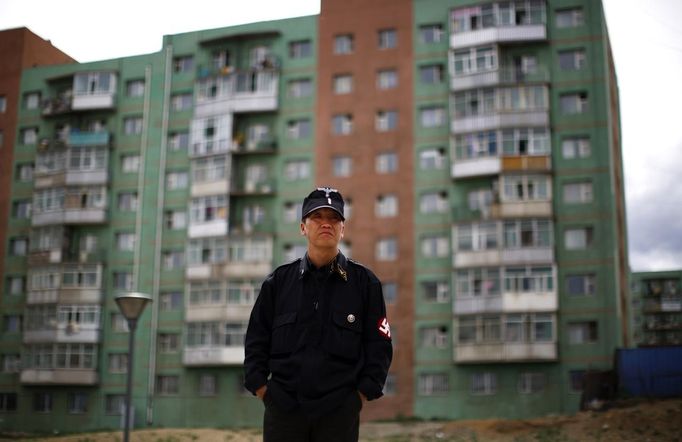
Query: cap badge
(350, 318)
(327, 191)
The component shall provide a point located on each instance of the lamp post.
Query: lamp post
(131, 305)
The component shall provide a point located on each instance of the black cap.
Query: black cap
(323, 197)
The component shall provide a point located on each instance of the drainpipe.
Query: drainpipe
(159, 225)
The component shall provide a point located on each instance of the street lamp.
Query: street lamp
(131, 305)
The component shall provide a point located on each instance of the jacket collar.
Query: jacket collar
(339, 266)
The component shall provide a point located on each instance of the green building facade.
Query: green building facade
(180, 174)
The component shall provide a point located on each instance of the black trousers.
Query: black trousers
(341, 425)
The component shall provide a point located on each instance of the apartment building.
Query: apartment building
(656, 310)
(476, 143)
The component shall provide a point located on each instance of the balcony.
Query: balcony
(210, 147)
(216, 227)
(505, 352)
(500, 120)
(210, 187)
(248, 257)
(56, 376)
(252, 90)
(663, 305)
(264, 146)
(217, 312)
(543, 300)
(65, 284)
(476, 167)
(495, 77)
(522, 33)
(59, 105)
(63, 334)
(254, 188)
(212, 355)
(502, 257)
(80, 215)
(77, 139)
(521, 209)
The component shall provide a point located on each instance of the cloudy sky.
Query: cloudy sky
(646, 36)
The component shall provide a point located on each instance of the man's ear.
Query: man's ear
(303, 228)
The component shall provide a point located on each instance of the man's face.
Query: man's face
(323, 228)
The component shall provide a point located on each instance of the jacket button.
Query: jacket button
(350, 318)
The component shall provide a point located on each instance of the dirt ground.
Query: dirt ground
(633, 420)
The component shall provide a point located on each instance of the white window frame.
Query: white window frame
(387, 249)
(580, 192)
(386, 206)
(343, 44)
(342, 124)
(343, 84)
(386, 121)
(387, 79)
(386, 162)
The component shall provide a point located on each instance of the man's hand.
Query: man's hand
(261, 392)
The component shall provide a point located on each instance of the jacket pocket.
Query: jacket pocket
(283, 334)
(344, 337)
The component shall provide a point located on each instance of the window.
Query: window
(432, 74)
(21, 209)
(578, 238)
(125, 241)
(77, 403)
(582, 332)
(483, 383)
(29, 135)
(123, 280)
(169, 342)
(135, 88)
(526, 141)
(300, 49)
(569, 18)
(42, 402)
(181, 102)
(477, 282)
(208, 385)
(115, 404)
(576, 147)
(431, 33)
(434, 246)
(342, 166)
(578, 193)
(173, 259)
(387, 249)
(501, 14)
(300, 88)
(572, 60)
(474, 60)
(177, 180)
(525, 187)
(299, 129)
(433, 337)
(24, 172)
(581, 285)
(31, 100)
(175, 219)
(386, 162)
(295, 170)
(390, 291)
(574, 103)
(170, 301)
(127, 201)
(130, 163)
(527, 233)
(3, 104)
(433, 202)
(433, 384)
(208, 208)
(10, 363)
(15, 285)
(386, 121)
(94, 83)
(388, 38)
(292, 211)
(183, 64)
(343, 84)
(387, 79)
(435, 291)
(342, 124)
(343, 44)
(18, 246)
(432, 159)
(118, 363)
(132, 125)
(178, 141)
(8, 402)
(432, 116)
(532, 382)
(386, 206)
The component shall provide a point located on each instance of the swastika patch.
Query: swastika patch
(384, 328)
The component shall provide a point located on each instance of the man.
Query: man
(318, 342)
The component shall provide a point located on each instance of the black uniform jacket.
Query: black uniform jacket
(316, 335)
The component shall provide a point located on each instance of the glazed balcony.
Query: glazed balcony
(215, 343)
(495, 77)
(205, 229)
(527, 33)
(69, 205)
(218, 311)
(235, 257)
(65, 284)
(500, 120)
(254, 188)
(57, 376)
(501, 257)
(213, 355)
(94, 90)
(59, 255)
(506, 352)
(63, 333)
(251, 90)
